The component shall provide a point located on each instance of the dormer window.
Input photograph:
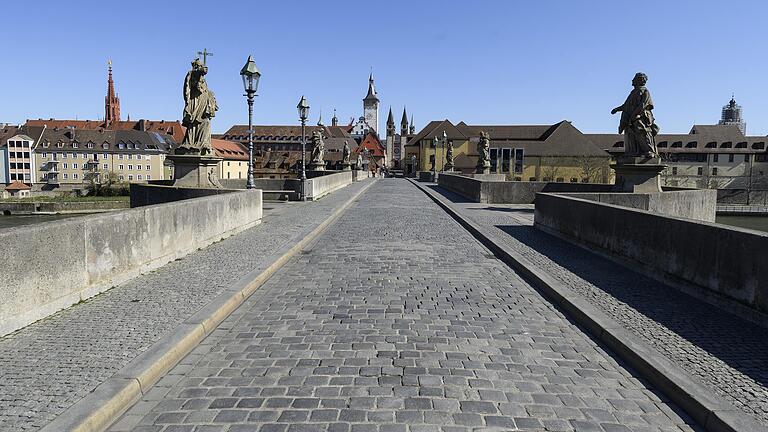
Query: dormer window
(59, 144)
(90, 145)
(105, 146)
(121, 145)
(46, 144)
(692, 144)
(74, 145)
(742, 144)
(677, 144)
(662, 144)
(726, 144)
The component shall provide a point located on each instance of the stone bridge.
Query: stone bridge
(388, 306)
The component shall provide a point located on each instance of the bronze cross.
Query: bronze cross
(205, 54)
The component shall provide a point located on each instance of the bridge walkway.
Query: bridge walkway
(397, 319)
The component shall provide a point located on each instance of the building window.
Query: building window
(65, 165)
(120, 178)
(138, 156)
(130, 156)
(494, 159)
(714, 171)
(66, 176)
(130, 178)
(730, 157)
(105, 146)
(45, 155)
(90, 145)
(519, 156)
(130, 167)
(700, 171)
(106, 166)
(120, 166)
(138, 167)
(105, 155)
(74, 176)
(74, 145)
(138, 177)
(147, 167)
(715, 157)
(74, 155)
(63, 155)
(74, 165)
(149, 177)
(120, 156)
(506, 155)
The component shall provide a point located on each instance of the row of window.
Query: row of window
(702, 157)
(105, 166)
(20, 176)
(699, 171)
(19, 165)
(75, 176)
(95, 156)
(89, 145)
(23, 144)
(19, 155)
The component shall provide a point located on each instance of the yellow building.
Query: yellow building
(558, 153)
(235, 159)
(69, 158)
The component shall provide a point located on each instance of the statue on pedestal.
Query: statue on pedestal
(318, 150)
(638, 169)
(199, 108)
(483, 154)
(637, 123)
(194, 163)
(448, 165)
(345, 157)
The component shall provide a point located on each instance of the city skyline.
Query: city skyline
(480, 74)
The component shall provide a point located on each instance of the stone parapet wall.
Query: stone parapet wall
(692, 204)
(319, 186)
(52, 265)
(151, 194)
(510, 192)
(18, 208)
(724, 260)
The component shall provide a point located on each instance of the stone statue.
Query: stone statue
(345, 165)
(637, 122)
(199, 107)
(318, 150)
(359, 162)
(448, 165)
(483, 154)
(345, 154)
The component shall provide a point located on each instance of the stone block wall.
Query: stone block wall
(692, 204)
(52, 265)
(319, 186)
(725, 260)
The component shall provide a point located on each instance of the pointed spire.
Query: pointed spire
(390, 119)
(412, 130)
(320, 120)
(404, 120)
(371, 90)
(111, 102)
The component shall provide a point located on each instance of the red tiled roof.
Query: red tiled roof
(171, 127)
(229, 149)
(371, 143)
(17, 186)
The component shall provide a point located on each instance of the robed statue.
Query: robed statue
(199, 107)
(637, 123)
(345, 154)
(483, 149)
(448, 165)
(318, 148)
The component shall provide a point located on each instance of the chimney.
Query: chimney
(142, 125)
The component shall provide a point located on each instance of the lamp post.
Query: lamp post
(250, 74)
(303, 108)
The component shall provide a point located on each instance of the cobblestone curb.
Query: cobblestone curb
(103, 406)
(712, 412)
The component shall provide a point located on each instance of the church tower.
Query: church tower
(412, 131)
(731, 115)
(390, 124)
(111, 102)
(371, 106)
(404, 123)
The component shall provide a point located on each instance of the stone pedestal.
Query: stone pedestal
(346, 166)
(195, 171)
(638, 174)
(483, 169)
(317, 166)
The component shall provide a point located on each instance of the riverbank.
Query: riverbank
(757, 222)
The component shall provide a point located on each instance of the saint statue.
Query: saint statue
(199, 107)
(345, 154)
(637, 122)
(318, 148)
(448, 165)
(483, 149)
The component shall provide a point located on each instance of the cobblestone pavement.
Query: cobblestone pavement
(398, 320)
(48, 366)
(724, 352)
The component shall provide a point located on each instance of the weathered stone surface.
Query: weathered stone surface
(721, 350)
(692, 204)
(76, 349)
(422, 332)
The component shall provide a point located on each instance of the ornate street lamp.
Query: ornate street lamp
(303, 108)
(250, 74)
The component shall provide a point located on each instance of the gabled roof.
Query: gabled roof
(229, 150)
(510, 132)
(372, 143)
(436, 128)
(281, 132)
(169, 127)
(17, 186)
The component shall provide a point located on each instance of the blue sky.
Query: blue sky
(484, 62)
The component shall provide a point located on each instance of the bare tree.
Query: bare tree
(592, 168)
(550, 169)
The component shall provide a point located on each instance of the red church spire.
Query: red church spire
(112, 102)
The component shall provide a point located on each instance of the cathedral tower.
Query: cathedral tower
(390, 124)
(371, 106)
(111, 102)
(731, 115)
(404, 123)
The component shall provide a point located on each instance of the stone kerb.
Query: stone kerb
(52, 265)
(723, 260)
(316, 187)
